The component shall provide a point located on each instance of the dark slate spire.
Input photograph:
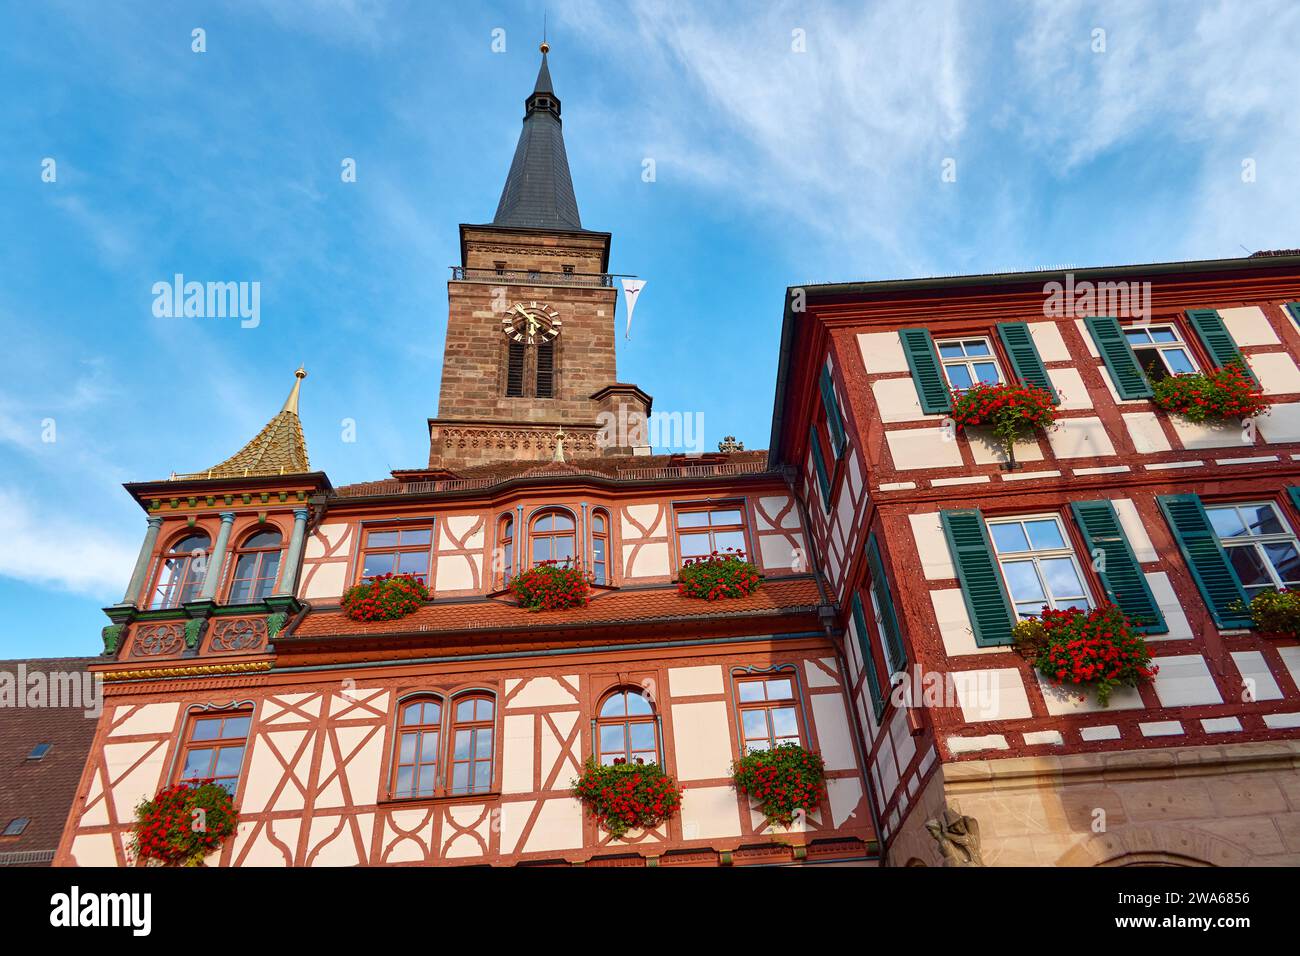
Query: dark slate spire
(539, 190)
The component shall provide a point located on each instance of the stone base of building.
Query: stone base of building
(1229, 805)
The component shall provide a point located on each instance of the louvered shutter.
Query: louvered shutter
(1119, 358)
(1120, 573)
(515, 371)
(1206, 558)
(819, 463)
(832, 412)
(894, 651)
(1216, 338)
(1025, 360)
(1294, 309)
(545, 369)
(931, 386)
(868, 659)
(986, 598)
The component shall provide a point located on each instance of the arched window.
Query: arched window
(257, 564)
(600, 547)
(419, 738)
(553, 537)
(626, 729)
(471, 744)
(180, 570)
(506, 539)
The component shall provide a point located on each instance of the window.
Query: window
(180, 571)
(567, 269)
(600, 547)
(215, 748)
(515, 370)
(1038, 564)
(553, 537)
(16, 826)
(1260, 547)
(545, 369)
(416, 773)
(700, 532)
(39, 751)
(1160, 350)
(471, 755)
(967, 361)
(257, 565)
(768, 712)
(397, 551)
(506, 537)
(626, 729)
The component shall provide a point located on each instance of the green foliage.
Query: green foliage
(627, 795)
(183, 823)
(1274, 612)
(784, 780)
(1221, 394)
(720, 575)
(551, 586)
(385, 597)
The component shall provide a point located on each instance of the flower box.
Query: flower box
(552, 586)
(787, 782)
(1275, 613)
(182, 824)
(1220, 395)
(386, 597)
(624, 796)
(1010, 412)
(1095, 649)
(720, 575)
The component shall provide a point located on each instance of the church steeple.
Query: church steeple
(539, 190)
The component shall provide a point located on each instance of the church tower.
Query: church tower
(530, 327)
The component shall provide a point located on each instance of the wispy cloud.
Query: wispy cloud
(43, 548)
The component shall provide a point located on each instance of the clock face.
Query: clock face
(531, 323)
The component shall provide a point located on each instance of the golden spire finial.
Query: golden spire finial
(545, 47)
(291, 403)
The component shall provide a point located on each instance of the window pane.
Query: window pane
(784, 723)
(1045, 534)
(615, 706)
(751, 690)
(483, 775)
(725, 518)
(1285, 561)
(460, 778)
(191, 543)
(431, 713)
(235, 727)
(465, 710)
(1262, 519)
(462, 744)
(411, 713)
(611, 739)
(416, 536)
(381, 539)
(637, 705)
(543, 523)
(541, 550)
(377, 564)
(643, 736)
(563, 549)
(483, 742)
(406, 753)
(951, 350)
(264, 539)
(1162, 333)
(987, 372)
(694, 545)
(404, 778)
(755, 724)
(959, 376)
(1226, 522)
(1137, 336)
(729, 539)
(977, 347)
(409, 563)
(228, 761)
(197, 764)
(1249, 566)
(1062, 578)
(563, 523)
(429, 747)
(692, 519)
(1022, 582)
(598, 523)
(428, 780)
(1009, 538)
(208, 729)
(779, 690)
(1178, 362)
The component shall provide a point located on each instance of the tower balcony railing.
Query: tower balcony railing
(597, 280)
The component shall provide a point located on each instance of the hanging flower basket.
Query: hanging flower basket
(1011, 411)
(785, 781)
(385, 598)
(1275, 613)
(720, 575)
(1095, 649)
(1219, 395)
(627, 795)
(183, 823)
(552, 586)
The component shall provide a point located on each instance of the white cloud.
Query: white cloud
(61, 552)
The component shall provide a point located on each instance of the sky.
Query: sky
(791, 142)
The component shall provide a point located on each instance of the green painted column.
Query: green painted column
(217, 558)
(293, 557)
(142, 562)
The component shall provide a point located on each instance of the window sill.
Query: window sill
(438, 799)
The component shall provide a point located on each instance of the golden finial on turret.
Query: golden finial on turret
(545, 47)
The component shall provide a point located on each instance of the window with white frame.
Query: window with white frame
(1262, 549)
(967, 361)
(1038, 564)
(1160, 350)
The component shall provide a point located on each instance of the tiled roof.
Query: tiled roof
(278, 449)
(642, 606)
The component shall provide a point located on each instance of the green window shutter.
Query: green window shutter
(1216, 338)
(1026, 361)
(894, 650)
(832, 412)
(823, 479)
(1121, 575)
(1294, 492)
(1119, 358)
(1206, 558)
(931, 386)
(986, 598)
(1294, 309)
(868, 659)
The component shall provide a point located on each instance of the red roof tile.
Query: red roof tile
(642, 606)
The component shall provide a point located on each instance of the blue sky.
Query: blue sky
(774, 165)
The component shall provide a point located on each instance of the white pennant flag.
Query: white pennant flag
(631, 292)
